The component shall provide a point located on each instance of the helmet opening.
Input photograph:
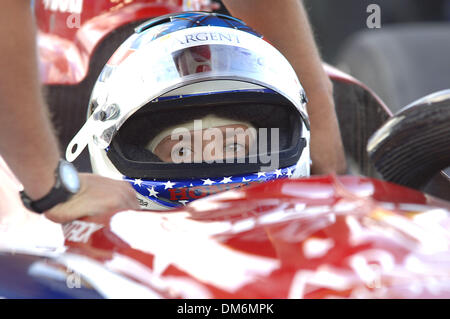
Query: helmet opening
(130, 156)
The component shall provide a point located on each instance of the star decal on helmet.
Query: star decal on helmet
(208, 182)
(168, 185)
(226, 180)
(152, 192)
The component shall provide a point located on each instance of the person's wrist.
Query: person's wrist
(41, 181)
(66, 184)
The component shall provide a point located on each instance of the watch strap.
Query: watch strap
(57, 194)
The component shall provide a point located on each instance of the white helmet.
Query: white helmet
(184, 67)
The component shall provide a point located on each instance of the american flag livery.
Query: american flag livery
(174, 193)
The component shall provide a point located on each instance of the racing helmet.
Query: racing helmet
(186, 73)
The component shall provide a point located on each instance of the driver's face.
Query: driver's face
(217, 143)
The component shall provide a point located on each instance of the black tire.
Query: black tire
(413, 146)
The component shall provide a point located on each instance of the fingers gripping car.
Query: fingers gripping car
(192, 104)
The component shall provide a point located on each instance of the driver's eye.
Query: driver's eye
(183, 151)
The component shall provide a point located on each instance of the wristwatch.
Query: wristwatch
(67, 184)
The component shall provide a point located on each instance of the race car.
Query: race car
(364, 235)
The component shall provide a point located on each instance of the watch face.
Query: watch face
(69, 177)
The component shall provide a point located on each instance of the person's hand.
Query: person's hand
(97, 195)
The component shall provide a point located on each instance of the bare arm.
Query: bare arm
(285, 24)
(27, 142)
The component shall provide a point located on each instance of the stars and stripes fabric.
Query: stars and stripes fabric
(175, 193)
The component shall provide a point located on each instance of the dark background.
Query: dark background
(404, 60)
(334, 21)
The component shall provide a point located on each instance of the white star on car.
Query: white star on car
(152, 192)
(169, 184)
(208, 182)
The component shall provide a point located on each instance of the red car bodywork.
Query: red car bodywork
(321, 237)
(70, 31)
